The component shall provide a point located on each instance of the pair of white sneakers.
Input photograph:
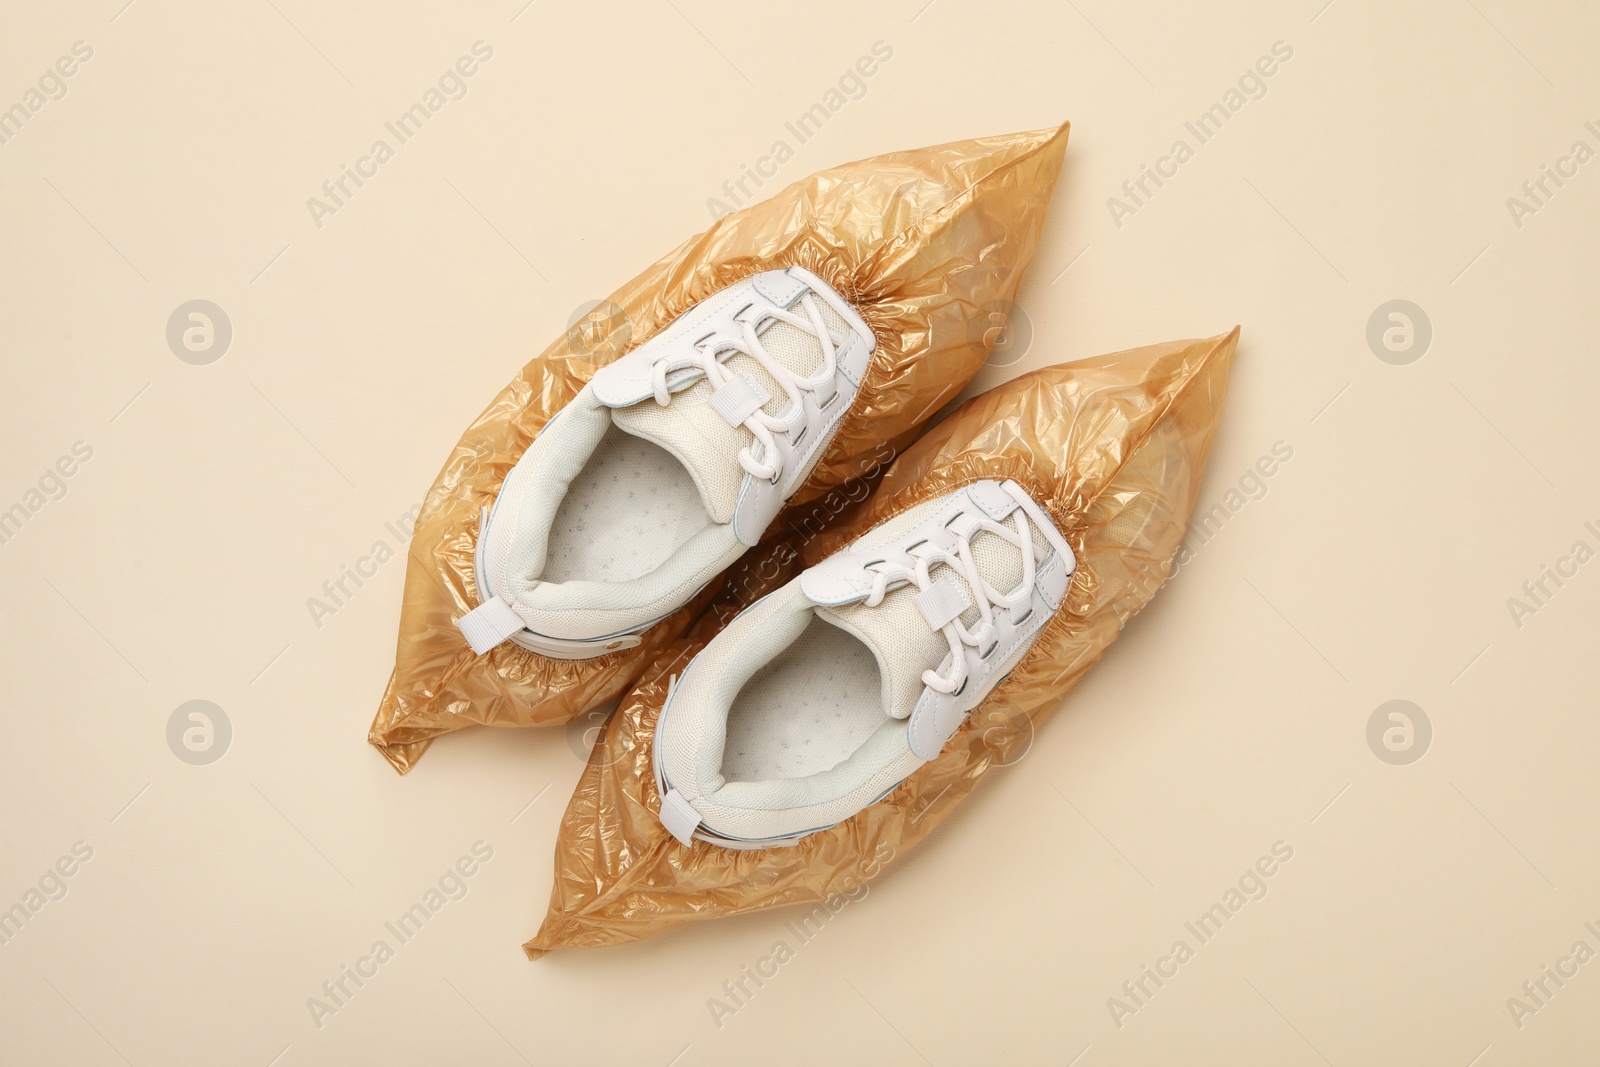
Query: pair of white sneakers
(819, 699)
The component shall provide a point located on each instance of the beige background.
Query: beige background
(1232, 715)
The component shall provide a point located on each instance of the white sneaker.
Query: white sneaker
(819, 699)
(666, 467)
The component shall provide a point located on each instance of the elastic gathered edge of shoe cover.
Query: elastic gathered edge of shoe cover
(685, 431)
(694, 729)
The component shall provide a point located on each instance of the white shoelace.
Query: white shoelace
(916, 566)
(791, 419)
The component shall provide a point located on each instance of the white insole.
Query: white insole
(630, 509)
(806, 711)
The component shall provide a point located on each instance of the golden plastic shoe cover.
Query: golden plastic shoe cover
(929, 245)
(1112, 448)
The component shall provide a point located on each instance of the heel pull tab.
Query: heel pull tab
(488, 624)
(679, 816)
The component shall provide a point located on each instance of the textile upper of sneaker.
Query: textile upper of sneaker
(666, 467)
(819, 699)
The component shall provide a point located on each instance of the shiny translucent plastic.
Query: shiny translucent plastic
(927, 244)
(1111, 447)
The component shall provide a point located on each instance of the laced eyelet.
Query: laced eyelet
(914, 567)
(713, 348)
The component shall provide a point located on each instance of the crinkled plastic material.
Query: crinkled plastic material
(1111, 447)
(927, 244)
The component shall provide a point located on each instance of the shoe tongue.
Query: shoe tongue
(900, 639)
(701, 439)
(899, 635)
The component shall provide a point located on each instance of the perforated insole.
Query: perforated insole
(629, 510)
(806, 711)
